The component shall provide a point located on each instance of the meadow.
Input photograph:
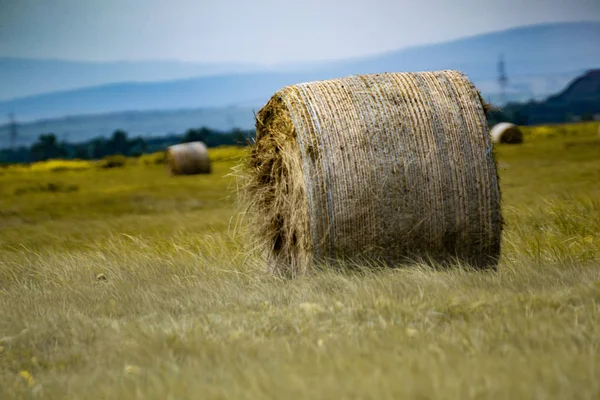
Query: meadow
(129, 283)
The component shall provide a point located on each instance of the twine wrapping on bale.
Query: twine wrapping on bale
(505, 132)
(391, 167)
(188, 158)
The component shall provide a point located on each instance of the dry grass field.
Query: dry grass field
(127, 283)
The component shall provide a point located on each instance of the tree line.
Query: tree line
(48, 146)
(551, 111)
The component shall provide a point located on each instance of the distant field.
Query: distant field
(128, 283)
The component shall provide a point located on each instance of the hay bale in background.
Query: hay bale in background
(188, 158)
(389, 167)
(505, 132)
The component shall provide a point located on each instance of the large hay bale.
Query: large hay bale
(188, 159)
(505, 132)
(392, 167)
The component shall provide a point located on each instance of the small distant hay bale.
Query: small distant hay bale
(188, 159)
(389, 167)
(506, 132)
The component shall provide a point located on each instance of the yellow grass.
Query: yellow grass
(138, 285)
(54, 166)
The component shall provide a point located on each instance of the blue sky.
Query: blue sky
(257, 31)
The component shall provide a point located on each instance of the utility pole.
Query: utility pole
(502, 79)
(12, 131)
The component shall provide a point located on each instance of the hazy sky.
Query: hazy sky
(258, 31)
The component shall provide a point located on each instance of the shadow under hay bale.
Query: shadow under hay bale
(505, 132)
(388, 167)
(188, 159)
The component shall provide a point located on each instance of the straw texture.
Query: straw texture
(188, 158)
(506, 132)
(391, 167)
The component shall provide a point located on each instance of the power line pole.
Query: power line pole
(502, 79)
(13, 132)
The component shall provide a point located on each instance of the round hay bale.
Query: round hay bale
(391, 167)
(506, 132)
(188, 159)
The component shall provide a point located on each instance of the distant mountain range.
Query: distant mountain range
(81, 128)
(540, 60)
(28, 77)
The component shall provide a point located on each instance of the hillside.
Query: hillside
(205, 92)
(586, 87)
(531, 50)
(540, 60)
(136, 123)
(27, 77)
(579, 100)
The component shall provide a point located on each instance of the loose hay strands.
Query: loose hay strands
(188, 158)
(390, 167)
(505, 132)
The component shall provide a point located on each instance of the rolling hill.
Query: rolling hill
(28, 77)
(586, 87)
(81, 128)
(541, 60)
(580, 100)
